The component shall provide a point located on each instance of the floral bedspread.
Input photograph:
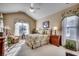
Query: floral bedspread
(37, 40)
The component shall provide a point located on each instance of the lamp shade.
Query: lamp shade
(55, 28)
(7, 27)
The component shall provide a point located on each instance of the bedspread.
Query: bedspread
(36, 40)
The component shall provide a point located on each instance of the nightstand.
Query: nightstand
(55, 40)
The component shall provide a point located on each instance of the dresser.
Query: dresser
(1, 46)
(55, 40)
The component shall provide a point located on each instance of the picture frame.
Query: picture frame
(46, 24)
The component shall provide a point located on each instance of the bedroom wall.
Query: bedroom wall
(54, 19)
(11, 18)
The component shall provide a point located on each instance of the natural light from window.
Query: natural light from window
(21, 28)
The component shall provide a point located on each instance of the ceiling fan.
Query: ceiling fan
(33, 8)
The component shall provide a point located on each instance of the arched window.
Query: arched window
(70, 27)
(21, 28)
(1, 22)
(1, 25)
(70, 31)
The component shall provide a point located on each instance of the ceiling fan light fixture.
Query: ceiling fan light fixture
(31, 10)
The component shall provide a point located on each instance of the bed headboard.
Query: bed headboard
(45, 31)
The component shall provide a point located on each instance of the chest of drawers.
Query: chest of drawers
(1, 46)
(55, 40)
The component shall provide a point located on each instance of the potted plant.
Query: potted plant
(9, 40)
(34, 31)
(1, 34)
(70, 44)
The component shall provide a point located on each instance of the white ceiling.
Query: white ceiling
(45, 8)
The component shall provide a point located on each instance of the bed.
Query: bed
(37, 40)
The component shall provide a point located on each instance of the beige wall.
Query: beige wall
(11, 18)
(54, 19)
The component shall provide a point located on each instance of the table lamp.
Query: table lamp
(55, 29)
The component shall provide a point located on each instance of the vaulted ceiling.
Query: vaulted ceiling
(45, 8)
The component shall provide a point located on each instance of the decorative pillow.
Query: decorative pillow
(44, 31)
(40, 31)
(47, 31)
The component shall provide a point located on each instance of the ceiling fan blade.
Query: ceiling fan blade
(32, 8)
(37, 8)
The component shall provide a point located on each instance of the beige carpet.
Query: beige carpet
(46, 50)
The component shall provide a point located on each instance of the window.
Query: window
(70, 27)
(1, 25)
(21, 28)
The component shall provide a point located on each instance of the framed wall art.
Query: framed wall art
(46, 24)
